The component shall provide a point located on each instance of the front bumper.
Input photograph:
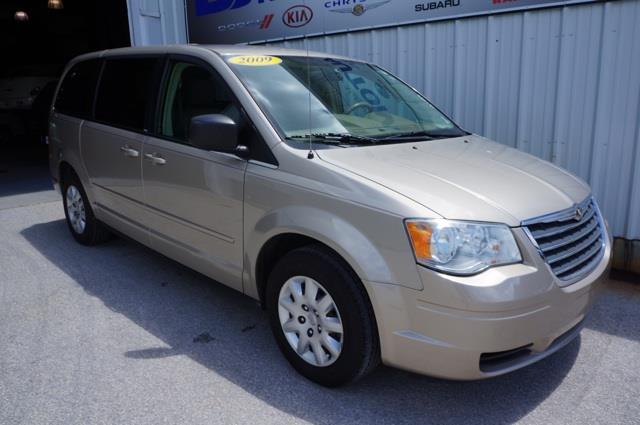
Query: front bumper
(485, 325)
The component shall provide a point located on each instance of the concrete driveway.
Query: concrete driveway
(119, 334)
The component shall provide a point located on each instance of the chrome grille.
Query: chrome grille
(571, 242)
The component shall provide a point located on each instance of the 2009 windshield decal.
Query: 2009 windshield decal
(357, 82)
(208, 7)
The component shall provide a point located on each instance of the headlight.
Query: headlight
(461, 248)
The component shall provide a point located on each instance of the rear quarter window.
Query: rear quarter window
(127, 92)
(77, 91)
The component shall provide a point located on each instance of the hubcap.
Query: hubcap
(75, 209)
(310, 321)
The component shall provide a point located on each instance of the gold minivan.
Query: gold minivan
(368, 224)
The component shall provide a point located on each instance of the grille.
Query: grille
(571, 242)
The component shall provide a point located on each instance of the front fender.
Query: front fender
(360, 246)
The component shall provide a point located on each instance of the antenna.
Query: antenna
(310, 155)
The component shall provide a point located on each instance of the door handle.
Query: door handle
(155, 158)
(130, 152)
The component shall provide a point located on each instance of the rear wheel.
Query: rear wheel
(321, 317)
(81, 221)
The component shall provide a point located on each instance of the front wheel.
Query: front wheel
(321, 317)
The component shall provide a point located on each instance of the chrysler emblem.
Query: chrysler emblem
(358, 9)
(579, 214)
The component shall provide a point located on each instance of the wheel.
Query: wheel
(321, 317)
(82, 223)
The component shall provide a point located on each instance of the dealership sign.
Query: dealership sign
(246, 21)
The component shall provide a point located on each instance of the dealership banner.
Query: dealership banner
(247, 21)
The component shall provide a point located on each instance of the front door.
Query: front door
(194, 197)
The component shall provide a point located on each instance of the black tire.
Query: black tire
(360, 346)
(94, 231)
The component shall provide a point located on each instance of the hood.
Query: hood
(468, 178)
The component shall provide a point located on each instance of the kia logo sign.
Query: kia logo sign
(297, 16)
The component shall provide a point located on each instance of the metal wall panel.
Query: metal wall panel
(560, 83)
(156, 22)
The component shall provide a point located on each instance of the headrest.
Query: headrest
(199, 88)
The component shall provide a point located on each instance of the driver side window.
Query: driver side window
(191, 91)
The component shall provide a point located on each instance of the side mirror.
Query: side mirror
(214, 132)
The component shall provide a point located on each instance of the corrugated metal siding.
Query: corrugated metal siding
(561, 83)
(156, 22)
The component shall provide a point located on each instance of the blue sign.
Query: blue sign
(207, 7)
(247, 21)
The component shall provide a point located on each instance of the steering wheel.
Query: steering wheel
(359, 105)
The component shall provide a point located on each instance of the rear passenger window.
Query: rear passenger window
(126, 92)
(77, 91)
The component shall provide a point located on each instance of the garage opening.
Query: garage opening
(37, 38)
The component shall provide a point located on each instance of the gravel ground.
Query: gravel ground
(119, 334)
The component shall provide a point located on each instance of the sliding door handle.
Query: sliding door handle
(155, 158)
(129, 151)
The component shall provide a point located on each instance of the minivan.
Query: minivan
(368, 224)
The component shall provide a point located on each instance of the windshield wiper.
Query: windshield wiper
(421, 135)
(337, 138)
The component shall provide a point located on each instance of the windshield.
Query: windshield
(310, 96)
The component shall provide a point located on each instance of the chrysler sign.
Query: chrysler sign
(254, 21)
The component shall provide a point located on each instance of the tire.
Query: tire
(78, 209)
(322, 361)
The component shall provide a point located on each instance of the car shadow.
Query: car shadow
(229, 334)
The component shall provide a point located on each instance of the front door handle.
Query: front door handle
(130, 152)
(155, 158)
